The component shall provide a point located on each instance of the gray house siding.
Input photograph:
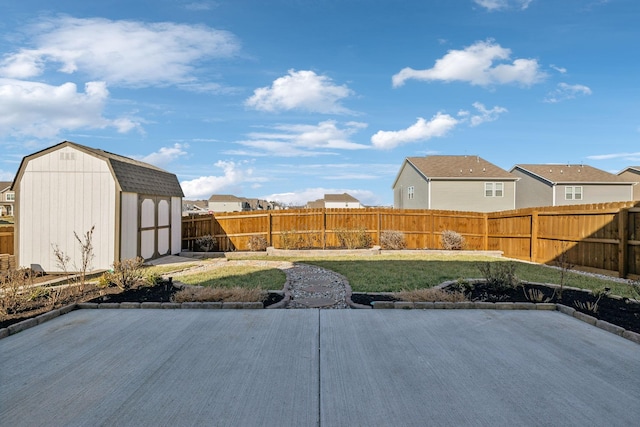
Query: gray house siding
(410, 177)
(632, 175)
(451, 195)
(594, 193)
(531, 191)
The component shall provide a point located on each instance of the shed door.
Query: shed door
(155, 226)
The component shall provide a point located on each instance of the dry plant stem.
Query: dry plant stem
(452, 241)
(395, 240)
(86, 256)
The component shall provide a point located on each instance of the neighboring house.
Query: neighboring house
(7, 199)
(195, 207)
(68, 188)
(632, 173)
(227, 203)
(334, 201)
(560, 185)
(462, 183)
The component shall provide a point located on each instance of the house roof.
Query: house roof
(225, 198)
(558, 173)
(458, 167)
(4, 186)
(633, 169)
(344, 197)
(133, 176)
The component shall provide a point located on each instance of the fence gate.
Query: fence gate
(155, 226)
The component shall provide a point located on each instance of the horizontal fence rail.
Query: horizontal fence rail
(600, 237)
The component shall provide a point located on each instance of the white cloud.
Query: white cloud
(478, 65)
(483, 114)
(566, 91)
(6, 176)
(234, 175)
(301, 90)
(42, 111)
(561, 70)
(200, 6)
(127, 53)
(300, 198)
(166, 155)
(298, 140)
(503, 4)
(422, 130)
(632, 157)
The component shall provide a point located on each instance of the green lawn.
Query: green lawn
(265, 278)
(392, 273)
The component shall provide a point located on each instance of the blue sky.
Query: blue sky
(290, 99)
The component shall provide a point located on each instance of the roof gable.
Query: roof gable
(227, 198)
(5, 186)
(571, 173)
(458, 167)
(337, 198)
(133, 176)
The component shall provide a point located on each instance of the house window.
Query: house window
(573, 193)
(10, 197)
(410, 192)
(493, 189)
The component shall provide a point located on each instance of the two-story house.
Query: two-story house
(462, 183)
(560, 185)
(7, 199)
(632, 173)
(336, 201)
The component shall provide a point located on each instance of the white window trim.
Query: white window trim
(491, 189)
(570, 192)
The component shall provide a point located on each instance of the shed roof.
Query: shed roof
(561, 173)
(133, 176)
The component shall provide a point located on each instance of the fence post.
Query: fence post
(324, 228)
(485, 237)
(623, 252)
(379, 226)
(533, 241)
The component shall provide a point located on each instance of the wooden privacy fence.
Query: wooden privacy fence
(599, 237)
(6, 239)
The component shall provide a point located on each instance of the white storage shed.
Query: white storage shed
(68, 188)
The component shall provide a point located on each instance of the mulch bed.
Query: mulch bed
(162, 292)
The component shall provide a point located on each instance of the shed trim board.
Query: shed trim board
(58, 195)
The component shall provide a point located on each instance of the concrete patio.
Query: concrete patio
(318, 367)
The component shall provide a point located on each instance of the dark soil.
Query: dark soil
(162, 292)
(367, 299)
(619, 311)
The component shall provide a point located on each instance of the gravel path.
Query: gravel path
(309, 286)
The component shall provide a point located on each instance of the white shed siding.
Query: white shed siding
(69, 192)
(176, 225)
(128, 225)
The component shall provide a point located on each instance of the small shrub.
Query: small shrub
(207, 294)
(12, 286)
(104, 281)
(206, 243)
(353, 238)
(430, 295)
(127, 273)
(635, 287)
(535, 295)
(394, 240)
(451, 240)
(257, 243)
(152, 279)
(500, 276)
(288, 239)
